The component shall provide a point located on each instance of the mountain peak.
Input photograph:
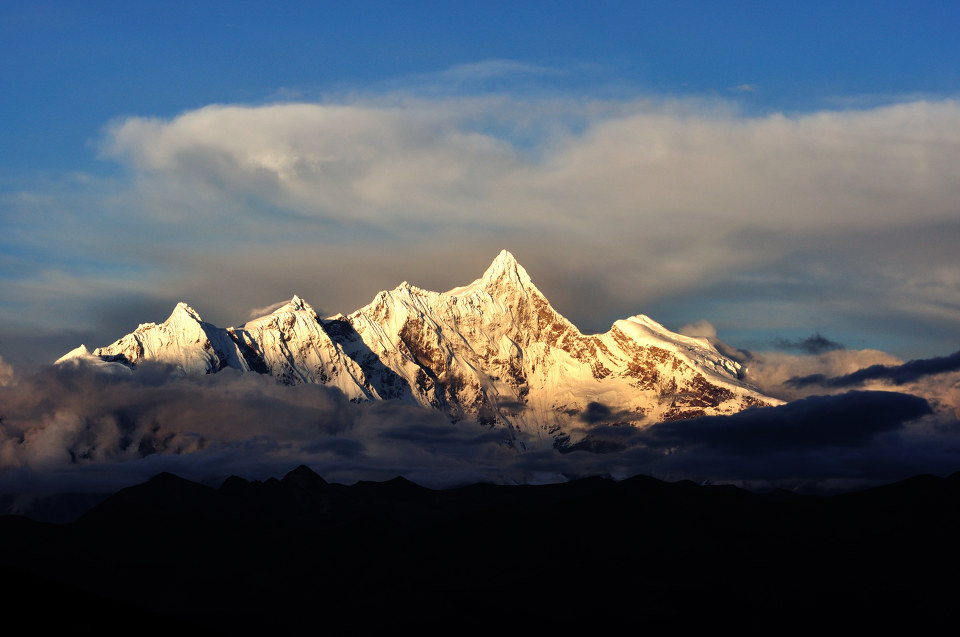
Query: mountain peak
(505, 261)
(506, 257)
(296, 304)
(78, 353)
(505, 266)
(182, 310)
(504, 273)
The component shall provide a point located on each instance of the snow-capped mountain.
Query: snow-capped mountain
(493, 350)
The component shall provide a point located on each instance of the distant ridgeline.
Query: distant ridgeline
(299, 555)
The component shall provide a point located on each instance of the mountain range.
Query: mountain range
(494, 350)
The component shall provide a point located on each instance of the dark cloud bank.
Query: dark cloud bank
(818, 443)
(909, 372)
(70, 428)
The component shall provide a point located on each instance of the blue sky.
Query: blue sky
(775, 169)
(68, 69)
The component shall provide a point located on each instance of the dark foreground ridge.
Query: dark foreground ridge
(303, 555)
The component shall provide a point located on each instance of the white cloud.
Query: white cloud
(613, 206)
(702, 327)
(645, 166)
(257, 312)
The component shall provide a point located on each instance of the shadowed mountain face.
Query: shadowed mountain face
(493, 350)
(299, 553)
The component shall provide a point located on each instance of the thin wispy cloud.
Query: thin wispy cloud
(702, 327)
(487, 69)
(257, 312)
(816, 343)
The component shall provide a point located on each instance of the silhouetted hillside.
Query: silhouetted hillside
(283, 556)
